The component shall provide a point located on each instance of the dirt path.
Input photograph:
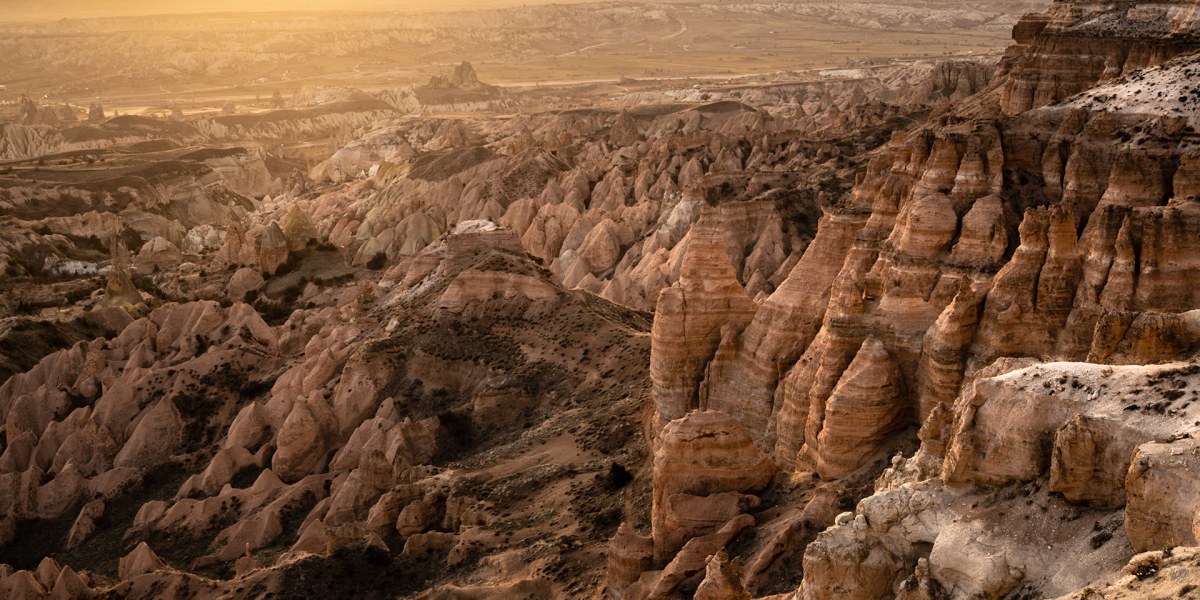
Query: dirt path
(683, 28)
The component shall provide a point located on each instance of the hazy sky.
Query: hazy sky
(57, 9)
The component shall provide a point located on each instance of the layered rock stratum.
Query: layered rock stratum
(924, 331)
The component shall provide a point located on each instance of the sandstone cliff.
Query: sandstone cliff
(1021, 227)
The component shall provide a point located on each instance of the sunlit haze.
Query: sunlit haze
(25, 10)
(599, 300)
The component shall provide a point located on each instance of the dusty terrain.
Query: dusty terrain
(197, 63)
(793, 300)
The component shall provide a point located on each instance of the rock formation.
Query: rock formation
(294, 438)
(1074, 45)
(862, 410)
(924, 330)
(706, 471)
(462, 77)
(120, 291)
(1003, 236)
(692, 318)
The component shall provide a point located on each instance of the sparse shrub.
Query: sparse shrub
(617, 477)
(377, 262)
(292, 292)
(1146, 568)
(274, 313)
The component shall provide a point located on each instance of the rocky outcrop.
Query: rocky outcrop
(446, 377)
(244, 283)
(1091, 434)
(970, 251)
(463, 76)
(120, 290)
(157, 435)
(1078, 437)
(706, 472)
(692, 318)
(158, 254)
(460, 89)
(1161, 487)
(863, 409)
(1074, 45)
(629, 555)
(263, 248)
(138, 562)
(722, 581)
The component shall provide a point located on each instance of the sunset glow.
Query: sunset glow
(599, 300)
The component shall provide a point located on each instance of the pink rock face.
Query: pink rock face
(304, 438)
(691, 320)
(706, 471)
(722, 581)
(157, 255)
(271, 245)
(863, 409)
(744, 380)
(944, 351)
(629, 555)
(245, 281)
(85, 523)
(925, 329)
(236, 249)
(298, 229)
